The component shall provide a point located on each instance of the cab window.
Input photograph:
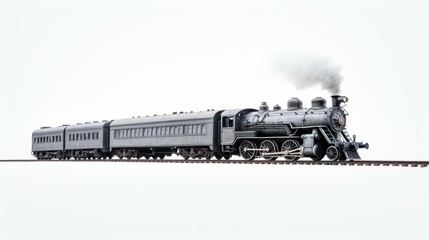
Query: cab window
(228, 122)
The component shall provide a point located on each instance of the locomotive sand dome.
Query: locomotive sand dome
(293, 133)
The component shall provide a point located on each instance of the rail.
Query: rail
(278, 162)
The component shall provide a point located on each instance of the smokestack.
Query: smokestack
(337, 100)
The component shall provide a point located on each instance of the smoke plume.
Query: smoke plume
(304, 72)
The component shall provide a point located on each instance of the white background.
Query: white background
(92, 60)
(211, 201)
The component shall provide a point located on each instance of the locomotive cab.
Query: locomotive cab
(230, 129)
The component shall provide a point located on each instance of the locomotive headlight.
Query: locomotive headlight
(343, 99)
(338, 119)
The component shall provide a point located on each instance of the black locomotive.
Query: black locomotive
(293, 133)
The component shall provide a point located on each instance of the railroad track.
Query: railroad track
(303, 162)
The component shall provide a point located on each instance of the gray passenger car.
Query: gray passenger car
(48, 142)
(86, 141)
(187, 134)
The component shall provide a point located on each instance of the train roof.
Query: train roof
(166, 118)
(49, 130)
(87, 126)
(233, 112)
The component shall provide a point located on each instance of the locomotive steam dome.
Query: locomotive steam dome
(318, 103)
(294, 104)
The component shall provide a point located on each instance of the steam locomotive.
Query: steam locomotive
(293, 133)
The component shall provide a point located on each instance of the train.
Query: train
(291, 134)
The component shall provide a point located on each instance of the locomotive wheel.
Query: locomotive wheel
(147, 157)
(245, 152)
(227, 156)
(317, 158)
(288, 145)
(271, 146)
(161, 157)
(333, 153)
